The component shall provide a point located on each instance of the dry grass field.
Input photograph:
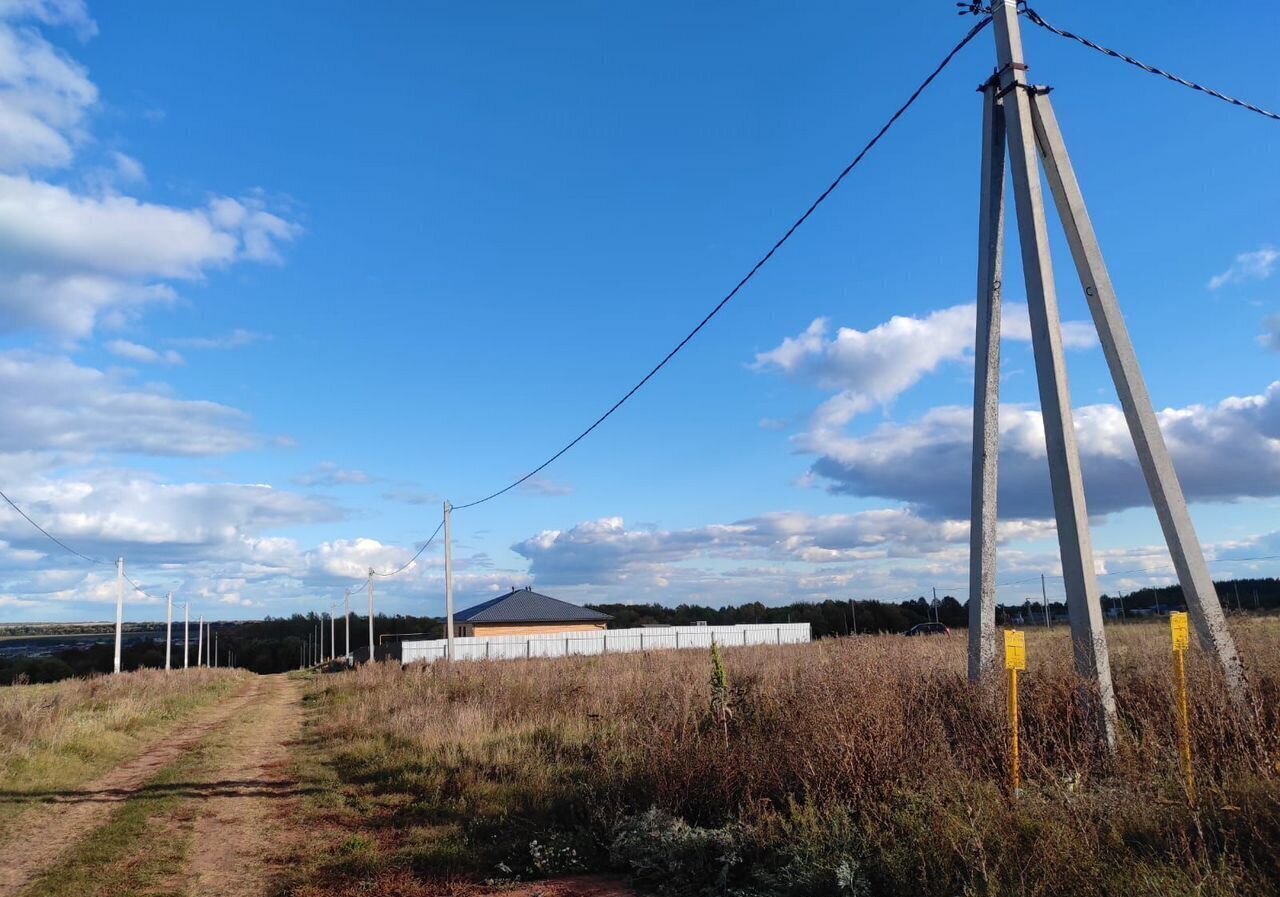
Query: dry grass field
(850, 766)
(59, 736)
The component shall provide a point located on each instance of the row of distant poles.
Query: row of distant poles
(206, 639)
(1018, 118)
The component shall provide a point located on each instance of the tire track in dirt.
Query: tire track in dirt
(242, 823)
(65, 817)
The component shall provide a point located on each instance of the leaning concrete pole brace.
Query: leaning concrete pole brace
(1153, 454)
(986, 392)
(448, 581)
(370, 615)
(119, 608)
(1075, 544)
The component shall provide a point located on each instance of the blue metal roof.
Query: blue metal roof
(528, 606)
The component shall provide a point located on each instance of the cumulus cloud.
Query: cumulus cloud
(51, 404)
(873, 367)
(69, 259)
(142, 354)
(112, 512)
(44, 94)
(1222, 452)
(1247, 267)
(606, 551)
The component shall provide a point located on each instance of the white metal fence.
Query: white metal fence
(611, 641)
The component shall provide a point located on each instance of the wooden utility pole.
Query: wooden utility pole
(448, 580)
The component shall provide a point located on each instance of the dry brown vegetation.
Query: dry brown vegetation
(61, 735)
(852, 766)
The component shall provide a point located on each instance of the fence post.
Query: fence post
(778, 630)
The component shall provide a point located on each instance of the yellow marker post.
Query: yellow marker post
(1181, 635)
(1015, 659)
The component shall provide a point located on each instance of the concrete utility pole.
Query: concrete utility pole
(448, 580)
(333, 635)
(370, 615)
(1031, 132)
(1144, 428)
(119, 608)
(186, 634)
(200, 641)
(168, 630)
(986, 392)
(346, 644)
(1074, 541)
(215, 650)
(1044, 596)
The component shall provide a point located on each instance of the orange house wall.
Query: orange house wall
(482, 629)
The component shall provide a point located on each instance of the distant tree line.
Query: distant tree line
(277, 644)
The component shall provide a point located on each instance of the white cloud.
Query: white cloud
(1270, 336)
(51, 404)
(1248, 266)
(327, 473)
(873, 367)
(121, 511)
(68, 258)
(605, 551)
(142, 354)
(236, 339)
(128, 169)
(546, 487)
(44, 95)
(1222, 453)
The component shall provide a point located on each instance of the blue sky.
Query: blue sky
(277, 280)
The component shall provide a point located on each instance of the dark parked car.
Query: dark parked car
(928, 629)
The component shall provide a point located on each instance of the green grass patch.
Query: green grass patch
(136, 851)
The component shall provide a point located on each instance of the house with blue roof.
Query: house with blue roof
(526, 612)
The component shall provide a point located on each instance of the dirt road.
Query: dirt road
(242, 825)
(230, 800)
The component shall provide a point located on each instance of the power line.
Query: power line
(50, 536)
(406, 564)
(1035, 18)
(973, 32)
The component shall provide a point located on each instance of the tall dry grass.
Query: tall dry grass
(60, 735)
(873, 748)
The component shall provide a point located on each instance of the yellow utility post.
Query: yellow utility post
(1181, 636)
(1015, 659)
